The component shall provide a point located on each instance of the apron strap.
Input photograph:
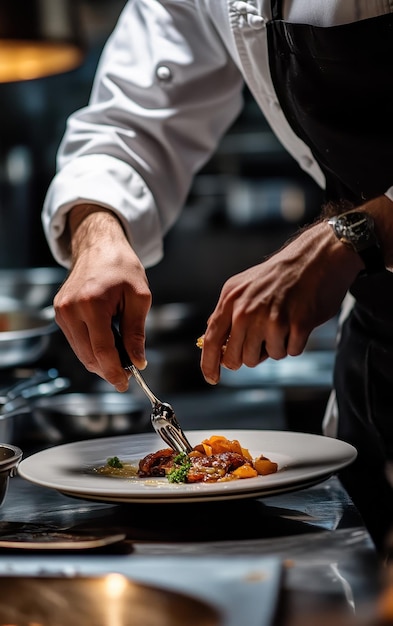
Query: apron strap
(276, 7)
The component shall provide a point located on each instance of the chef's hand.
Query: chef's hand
(106, 279)
(270, 309)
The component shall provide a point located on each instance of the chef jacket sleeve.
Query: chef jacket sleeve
(164, 93)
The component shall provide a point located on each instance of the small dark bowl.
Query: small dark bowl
(10, 456)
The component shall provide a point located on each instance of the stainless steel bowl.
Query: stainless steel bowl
(33, 287)
(10, 457)
(24, 333)
(74, 416)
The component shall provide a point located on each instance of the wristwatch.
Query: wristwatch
(356, 229)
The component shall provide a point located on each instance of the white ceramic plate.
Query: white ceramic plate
(303, 459)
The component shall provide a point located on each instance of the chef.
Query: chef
(168, 86)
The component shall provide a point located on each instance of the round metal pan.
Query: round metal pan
(74, 416)
(99, 601)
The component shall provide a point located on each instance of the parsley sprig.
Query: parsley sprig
(114, 461)
(181, 466)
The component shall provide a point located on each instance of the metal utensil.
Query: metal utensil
(74, 416)
(63, 599)
(10, 456)
(20, 397)
(163, 417)
(25, 333)
(17, 400)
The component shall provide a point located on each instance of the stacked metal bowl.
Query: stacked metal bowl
(26, 313)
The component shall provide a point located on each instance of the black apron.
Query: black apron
(334, 85)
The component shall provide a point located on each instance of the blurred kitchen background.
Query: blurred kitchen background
(243, 205)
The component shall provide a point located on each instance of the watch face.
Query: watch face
(355, 228)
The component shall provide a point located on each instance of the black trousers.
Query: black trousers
(363, 380)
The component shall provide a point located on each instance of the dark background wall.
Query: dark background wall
(32, 121)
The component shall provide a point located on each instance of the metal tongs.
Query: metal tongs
(162, 417)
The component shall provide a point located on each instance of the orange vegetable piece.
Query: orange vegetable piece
(245, 471)
(217, 444)
(265, 466)
(208, 450)
(246, 453)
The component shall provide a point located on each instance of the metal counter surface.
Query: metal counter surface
(279, 560)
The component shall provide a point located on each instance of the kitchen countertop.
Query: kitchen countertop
(296, 558)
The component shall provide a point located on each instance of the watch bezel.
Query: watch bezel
(355, 228)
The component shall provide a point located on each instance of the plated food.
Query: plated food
(303, 460)
(215, 459)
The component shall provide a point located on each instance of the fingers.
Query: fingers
(276, 333)
(297, 341)
(254, 343)
(107, 280)
(214, 345)
(254, 352)
(106, 356)
(94, 346)
(87, 325)
(133, 334)
(249, 346)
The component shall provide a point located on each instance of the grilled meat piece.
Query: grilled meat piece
(156, 463)
(215, 466)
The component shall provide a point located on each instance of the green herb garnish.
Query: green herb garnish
(114, 461)
(180, 469)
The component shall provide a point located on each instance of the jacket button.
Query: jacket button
(256, 22)
(163, 73)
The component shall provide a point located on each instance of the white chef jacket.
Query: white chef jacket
(167, 87)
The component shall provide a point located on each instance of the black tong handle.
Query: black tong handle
(123, 354)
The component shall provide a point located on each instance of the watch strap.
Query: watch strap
(373, 260)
